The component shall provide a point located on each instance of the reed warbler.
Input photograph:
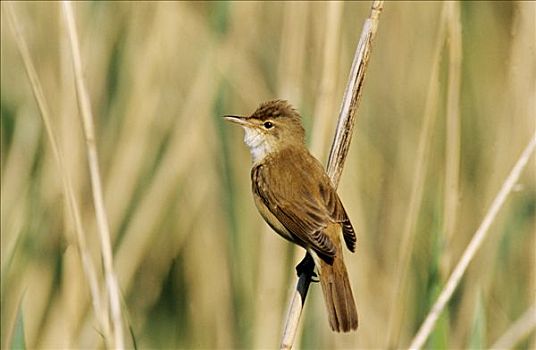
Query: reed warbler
(296, 198)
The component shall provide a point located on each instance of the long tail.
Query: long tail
(338, 296)
(336, 288)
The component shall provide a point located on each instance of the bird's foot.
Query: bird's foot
(307, 267)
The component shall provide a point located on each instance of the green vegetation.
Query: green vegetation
(196, 264)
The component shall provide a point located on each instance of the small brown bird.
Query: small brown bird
(296, 198)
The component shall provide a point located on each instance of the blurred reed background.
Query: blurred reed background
(197, 266)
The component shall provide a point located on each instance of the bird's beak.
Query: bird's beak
(237, 120)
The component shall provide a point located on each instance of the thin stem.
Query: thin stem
(292, 53)
(469, 253)
(452, 166)
(96, 183)
(325, 99)
(517, 331)
(339, 151)
(415, 200)
(352, 96)
(35, 83)
(417, 189)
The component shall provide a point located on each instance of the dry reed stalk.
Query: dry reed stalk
(85, 256)
(520, 329)
(176, 170)
(452, 166)
(292, 53)
(175, 163)
(338, 153)
(84, 105)
(325, 100)
(352, 96)
(469, 253)
(126, 158)
(417, 188)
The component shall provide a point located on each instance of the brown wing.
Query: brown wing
(337, 212)
(302, 219)
(304, 205)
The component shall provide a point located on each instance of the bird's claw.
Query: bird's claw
(307, 266)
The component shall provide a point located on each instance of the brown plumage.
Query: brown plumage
(296, 198)
(309, 213)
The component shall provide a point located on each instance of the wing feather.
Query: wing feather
(338, 213)
(302, 206)
(303, 219)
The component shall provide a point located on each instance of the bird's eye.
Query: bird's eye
(268, 125)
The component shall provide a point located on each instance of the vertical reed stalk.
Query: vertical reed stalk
(326, 95)
(96, 183)
(85, 256)
(339, 151)
(452, 168)
(352, 96)
(415, 201)
(292, 53)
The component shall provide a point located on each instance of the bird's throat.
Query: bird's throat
(259, 145)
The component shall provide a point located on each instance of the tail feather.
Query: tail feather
(338, 296)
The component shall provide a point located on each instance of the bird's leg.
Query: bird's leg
(307, 266)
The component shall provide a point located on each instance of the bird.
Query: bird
(297, 199)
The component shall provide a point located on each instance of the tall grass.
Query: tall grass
(196, 265)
